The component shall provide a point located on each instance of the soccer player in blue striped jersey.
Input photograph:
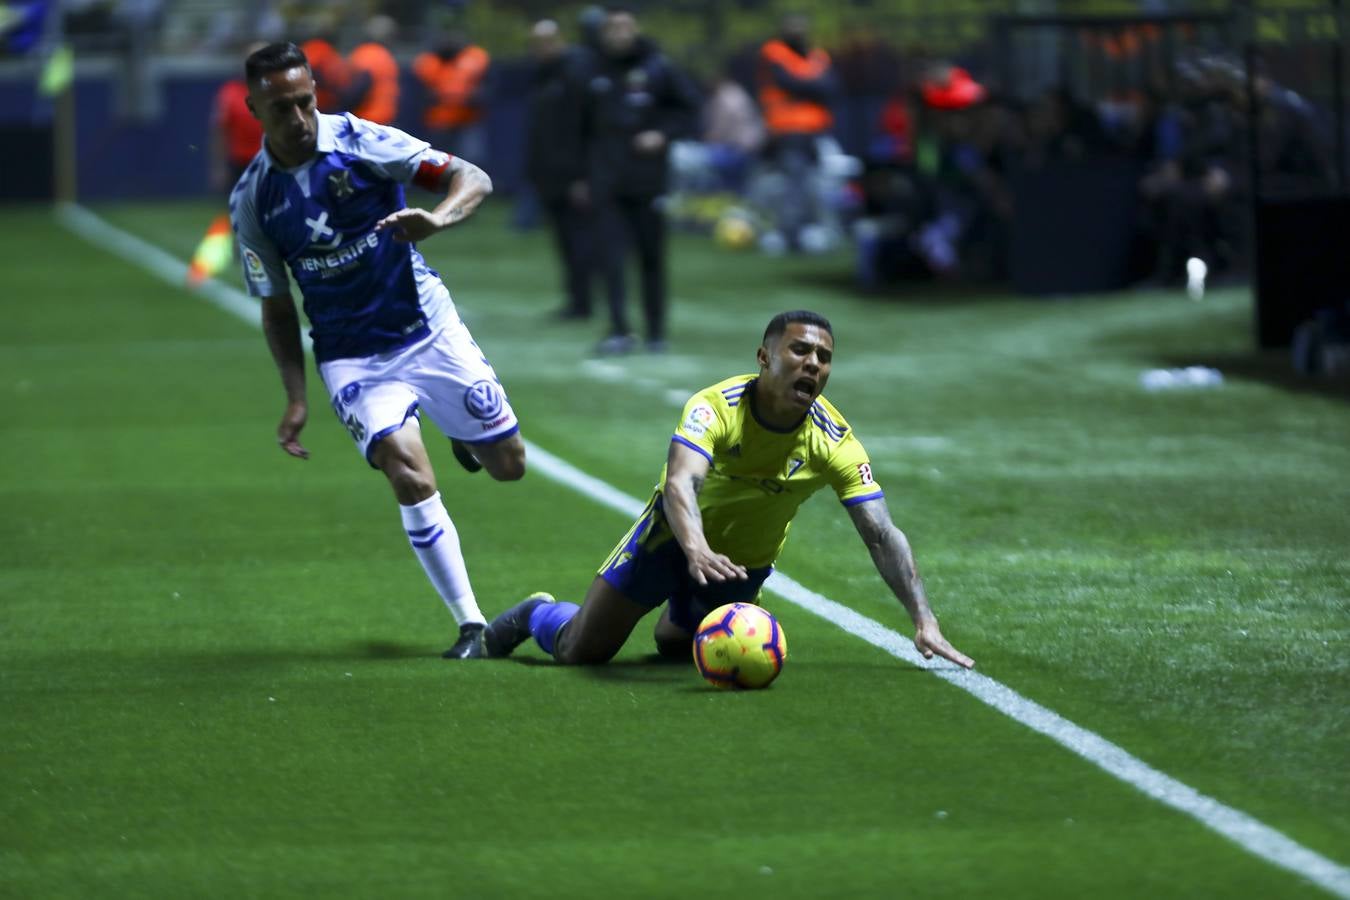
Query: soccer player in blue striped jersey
(324, 200)
(746, 454)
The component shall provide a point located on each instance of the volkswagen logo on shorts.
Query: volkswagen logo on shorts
(483, 400)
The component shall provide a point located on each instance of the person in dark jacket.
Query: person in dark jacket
(634, 103)
(555, 163)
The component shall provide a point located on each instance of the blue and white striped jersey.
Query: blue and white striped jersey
(364, 293)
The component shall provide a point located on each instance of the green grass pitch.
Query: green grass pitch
(219, 666)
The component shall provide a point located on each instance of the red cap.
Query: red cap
(959, 92)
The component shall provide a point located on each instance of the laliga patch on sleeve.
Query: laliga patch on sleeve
(698, 420)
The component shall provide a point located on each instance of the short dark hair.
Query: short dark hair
(779, 323)
(273, 58)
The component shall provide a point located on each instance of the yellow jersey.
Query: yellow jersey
(759, 476)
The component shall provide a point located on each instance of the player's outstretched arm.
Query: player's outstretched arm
(465, 187)
(894, 560)
(281, 325)
(685, 471)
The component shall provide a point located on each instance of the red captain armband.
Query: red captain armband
(428, 176)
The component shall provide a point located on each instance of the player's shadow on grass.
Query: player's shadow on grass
(390, 650)
(656, 669)
(337, 653)
(649, 668)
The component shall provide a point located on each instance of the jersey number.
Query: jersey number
(865, 472)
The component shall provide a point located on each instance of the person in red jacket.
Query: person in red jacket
(453, 78)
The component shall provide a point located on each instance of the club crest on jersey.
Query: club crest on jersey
(340, 184)
(483, 400)
(698, 420)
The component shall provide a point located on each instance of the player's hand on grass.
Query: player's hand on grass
(928, 640)
(707, 566)
(288, 432)
(410, 224)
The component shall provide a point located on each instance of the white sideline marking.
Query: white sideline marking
(147, 256)
(1248, 833)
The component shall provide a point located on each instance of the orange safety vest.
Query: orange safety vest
(243, 132)
(784, 113)
(451, 84)
(380, 104)
(330, 73)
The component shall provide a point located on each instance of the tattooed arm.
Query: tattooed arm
(465, 187)
(894, 560)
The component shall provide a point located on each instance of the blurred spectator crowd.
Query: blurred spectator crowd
(954, 163)
(930, 175)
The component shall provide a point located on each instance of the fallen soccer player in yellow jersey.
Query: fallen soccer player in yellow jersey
(747, 453)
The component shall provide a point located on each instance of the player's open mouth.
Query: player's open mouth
(805, 389)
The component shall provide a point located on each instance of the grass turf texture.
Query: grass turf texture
(218, 665)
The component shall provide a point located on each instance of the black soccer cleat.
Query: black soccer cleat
(465, 455)
(469, 645)
(512, 628)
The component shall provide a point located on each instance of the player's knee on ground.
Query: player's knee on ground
(575, 648)
(672, 641)
(681, 648)
(505, 460)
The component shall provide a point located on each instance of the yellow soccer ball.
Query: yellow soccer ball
(740, 645)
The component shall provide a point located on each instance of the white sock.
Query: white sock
(436, 543)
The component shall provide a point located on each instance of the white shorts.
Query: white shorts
(445, 376)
